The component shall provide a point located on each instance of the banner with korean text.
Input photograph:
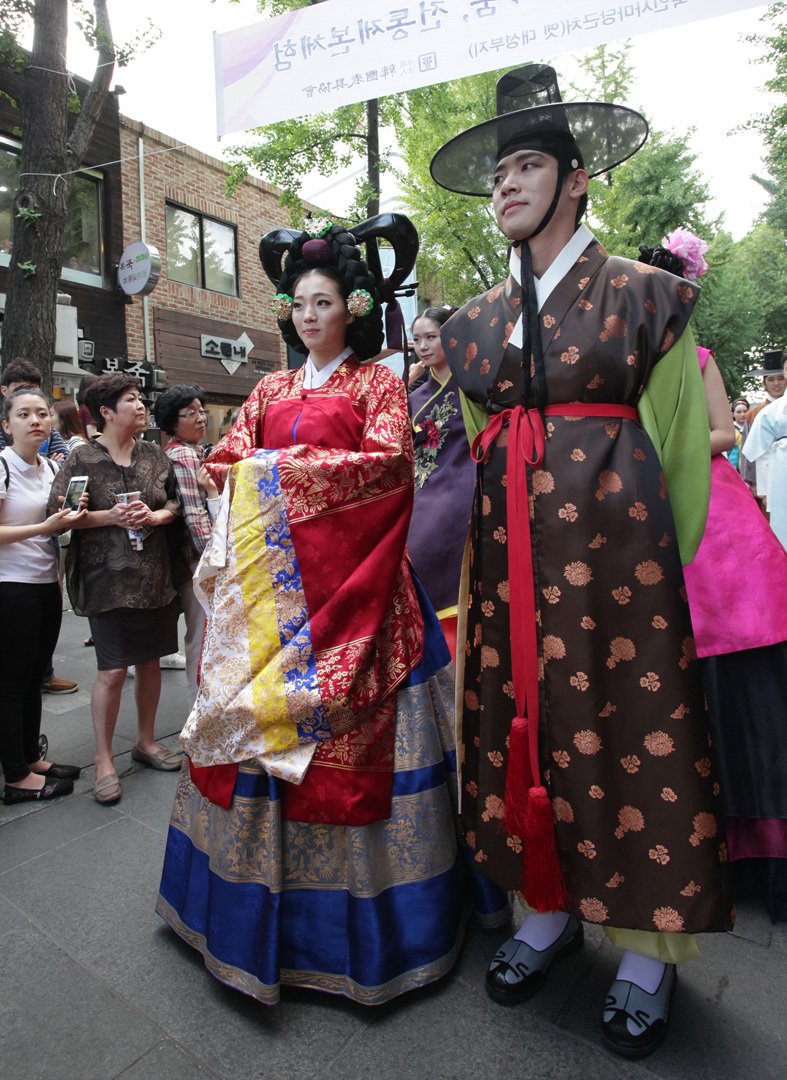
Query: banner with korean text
(339, 52)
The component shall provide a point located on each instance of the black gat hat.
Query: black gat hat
(592, 135)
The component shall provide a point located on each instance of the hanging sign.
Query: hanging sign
(231, 353)
(339, 52)
(139, 269)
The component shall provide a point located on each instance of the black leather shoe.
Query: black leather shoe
(635, 1022)
(518, 970)
(50, 790)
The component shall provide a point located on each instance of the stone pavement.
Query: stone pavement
(93, 986)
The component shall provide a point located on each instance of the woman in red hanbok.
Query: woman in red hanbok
(312, 841)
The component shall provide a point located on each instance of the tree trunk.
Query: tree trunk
(29, 321)
(373, 157)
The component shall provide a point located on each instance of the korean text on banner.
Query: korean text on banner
(339, 52)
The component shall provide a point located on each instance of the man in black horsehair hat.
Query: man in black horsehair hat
(773, 383)
(586, 783)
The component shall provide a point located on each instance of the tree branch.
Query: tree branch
(96, 95)
(484, 280)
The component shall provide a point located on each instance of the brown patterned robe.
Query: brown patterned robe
(624, 743)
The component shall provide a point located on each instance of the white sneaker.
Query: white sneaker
(130, 672)
(174, 660)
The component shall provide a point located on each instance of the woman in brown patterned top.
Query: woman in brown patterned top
(127, 594)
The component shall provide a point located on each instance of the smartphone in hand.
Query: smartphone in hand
(77, 486)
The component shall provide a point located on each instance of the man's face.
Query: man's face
(775, 384)
(523, 188)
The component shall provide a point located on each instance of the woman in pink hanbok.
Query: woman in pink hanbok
(743, 657)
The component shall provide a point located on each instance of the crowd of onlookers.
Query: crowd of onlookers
(127, 549)
(128, 562)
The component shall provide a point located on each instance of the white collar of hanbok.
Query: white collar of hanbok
(314, 378)
(557, 270)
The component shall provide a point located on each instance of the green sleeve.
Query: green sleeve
(674, 413)
(475, 416)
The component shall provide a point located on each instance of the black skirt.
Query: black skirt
(126, 636)
(747, 702)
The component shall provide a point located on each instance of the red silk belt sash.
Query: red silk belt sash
(528, 811)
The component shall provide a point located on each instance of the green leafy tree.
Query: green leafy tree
(325, 142)
(657, 189)
(607, 74)
(764, 257)
(729, 315)
(773, 124)
(462, 252)
(649, 195)
(460, 247)
(54, 146)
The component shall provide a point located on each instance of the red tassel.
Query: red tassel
(544, 888)
(517, 777)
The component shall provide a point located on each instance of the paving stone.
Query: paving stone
(752, 922)
(94, 985)
(62, 1022)
(55, 824)
(166, 1062)
(11, 919)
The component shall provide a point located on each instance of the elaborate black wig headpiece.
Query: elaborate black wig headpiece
(336, 250)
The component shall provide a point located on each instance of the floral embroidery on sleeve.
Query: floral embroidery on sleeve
(434, 430)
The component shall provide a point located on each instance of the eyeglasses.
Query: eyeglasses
(191, 415)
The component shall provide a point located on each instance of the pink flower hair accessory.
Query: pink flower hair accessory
(690, 250)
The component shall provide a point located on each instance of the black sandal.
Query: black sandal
(88, 641)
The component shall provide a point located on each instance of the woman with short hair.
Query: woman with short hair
(123, 584)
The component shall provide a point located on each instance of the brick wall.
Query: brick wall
(196, 182)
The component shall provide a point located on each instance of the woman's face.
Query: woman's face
(29, 422)
(128, 416)
(320, 316)
(190, 426)
(426, 339)
(739, 412)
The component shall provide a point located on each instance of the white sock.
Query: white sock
(641, 970)
(540, 931)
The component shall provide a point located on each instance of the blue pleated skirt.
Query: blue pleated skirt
(368, 912)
